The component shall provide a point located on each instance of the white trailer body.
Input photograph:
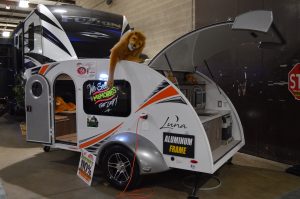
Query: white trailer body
(171, 117)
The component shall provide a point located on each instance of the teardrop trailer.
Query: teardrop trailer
(192, 127)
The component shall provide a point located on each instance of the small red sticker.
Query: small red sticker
(81, 70)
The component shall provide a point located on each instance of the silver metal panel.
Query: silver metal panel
(149, 157)
(37, 105)
(258, 20)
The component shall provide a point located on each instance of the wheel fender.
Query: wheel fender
(149, 158)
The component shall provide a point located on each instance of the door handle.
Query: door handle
(28, 108)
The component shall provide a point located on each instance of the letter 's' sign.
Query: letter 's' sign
(294, 81)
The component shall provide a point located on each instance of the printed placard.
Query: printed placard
(86, 166)
(179, 145)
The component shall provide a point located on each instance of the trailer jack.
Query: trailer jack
(200, 180)
(195, 188)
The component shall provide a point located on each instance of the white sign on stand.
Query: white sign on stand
(86, 166)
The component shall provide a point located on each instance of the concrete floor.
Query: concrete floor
(28, 172)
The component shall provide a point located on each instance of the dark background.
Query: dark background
(6, 74)
(269, 113)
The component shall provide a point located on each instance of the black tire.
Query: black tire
(116, 165)
(46, 148)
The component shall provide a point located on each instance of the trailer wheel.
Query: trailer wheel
(46, 148)
(116, 164)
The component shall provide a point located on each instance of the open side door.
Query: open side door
(38, 111)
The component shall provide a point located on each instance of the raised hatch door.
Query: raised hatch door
(38, 111)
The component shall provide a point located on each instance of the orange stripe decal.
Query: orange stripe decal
(100, 137)
(43, 69)
(167, 92)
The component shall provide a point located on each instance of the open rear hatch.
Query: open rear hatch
(192, 49)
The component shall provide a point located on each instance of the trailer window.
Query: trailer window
(98, 100)
(31, 36)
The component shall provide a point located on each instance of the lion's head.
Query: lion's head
(135, 41)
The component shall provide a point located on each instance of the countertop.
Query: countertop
(208, 115)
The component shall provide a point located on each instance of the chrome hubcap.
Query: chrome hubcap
(119, 167)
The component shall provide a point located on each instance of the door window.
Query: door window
(37, 89)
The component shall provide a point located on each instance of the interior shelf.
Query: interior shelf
(67, 138)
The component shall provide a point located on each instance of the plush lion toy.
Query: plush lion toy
(128, 48)
(190, 79)
(61, 105)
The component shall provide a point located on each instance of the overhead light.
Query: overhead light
(5, 34)
(24, 3)
(7, 7)
(103, 77)
(60, 11)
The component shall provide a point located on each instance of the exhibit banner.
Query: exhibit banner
(86, 166)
